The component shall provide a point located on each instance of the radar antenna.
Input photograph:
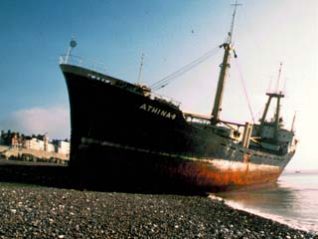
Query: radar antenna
(73, 44)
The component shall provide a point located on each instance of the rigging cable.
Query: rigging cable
(245, 91)
(167, 79)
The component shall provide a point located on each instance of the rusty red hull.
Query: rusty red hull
(134, 169)
(208, 175)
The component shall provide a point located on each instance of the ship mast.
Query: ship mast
(278, 95)
(225, 65)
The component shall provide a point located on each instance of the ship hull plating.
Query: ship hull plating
(129, 137)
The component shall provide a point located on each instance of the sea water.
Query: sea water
(293, 200)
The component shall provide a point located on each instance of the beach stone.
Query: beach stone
(44, 212)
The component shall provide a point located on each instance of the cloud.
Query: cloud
(53, 120)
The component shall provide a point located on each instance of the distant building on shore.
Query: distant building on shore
(62, 147)
(39, 142)
(33, 143)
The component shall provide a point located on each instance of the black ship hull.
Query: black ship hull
(126, 136)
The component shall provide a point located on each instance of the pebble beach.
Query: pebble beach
(43, 211)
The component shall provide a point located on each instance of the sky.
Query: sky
(34, 33)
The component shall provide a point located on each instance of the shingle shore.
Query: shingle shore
(43, 212)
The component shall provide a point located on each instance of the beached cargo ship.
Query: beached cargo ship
(127, 133)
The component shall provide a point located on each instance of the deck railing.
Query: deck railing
(79, 61)
(168, 99)
(101, 68)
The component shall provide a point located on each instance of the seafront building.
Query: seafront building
(39, 142)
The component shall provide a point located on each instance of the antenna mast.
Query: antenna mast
(278, 78)
(140, 68)
(233, 20)
(228, 48)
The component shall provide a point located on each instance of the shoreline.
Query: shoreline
(39, 201)
(31, 155)
(272, 217)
